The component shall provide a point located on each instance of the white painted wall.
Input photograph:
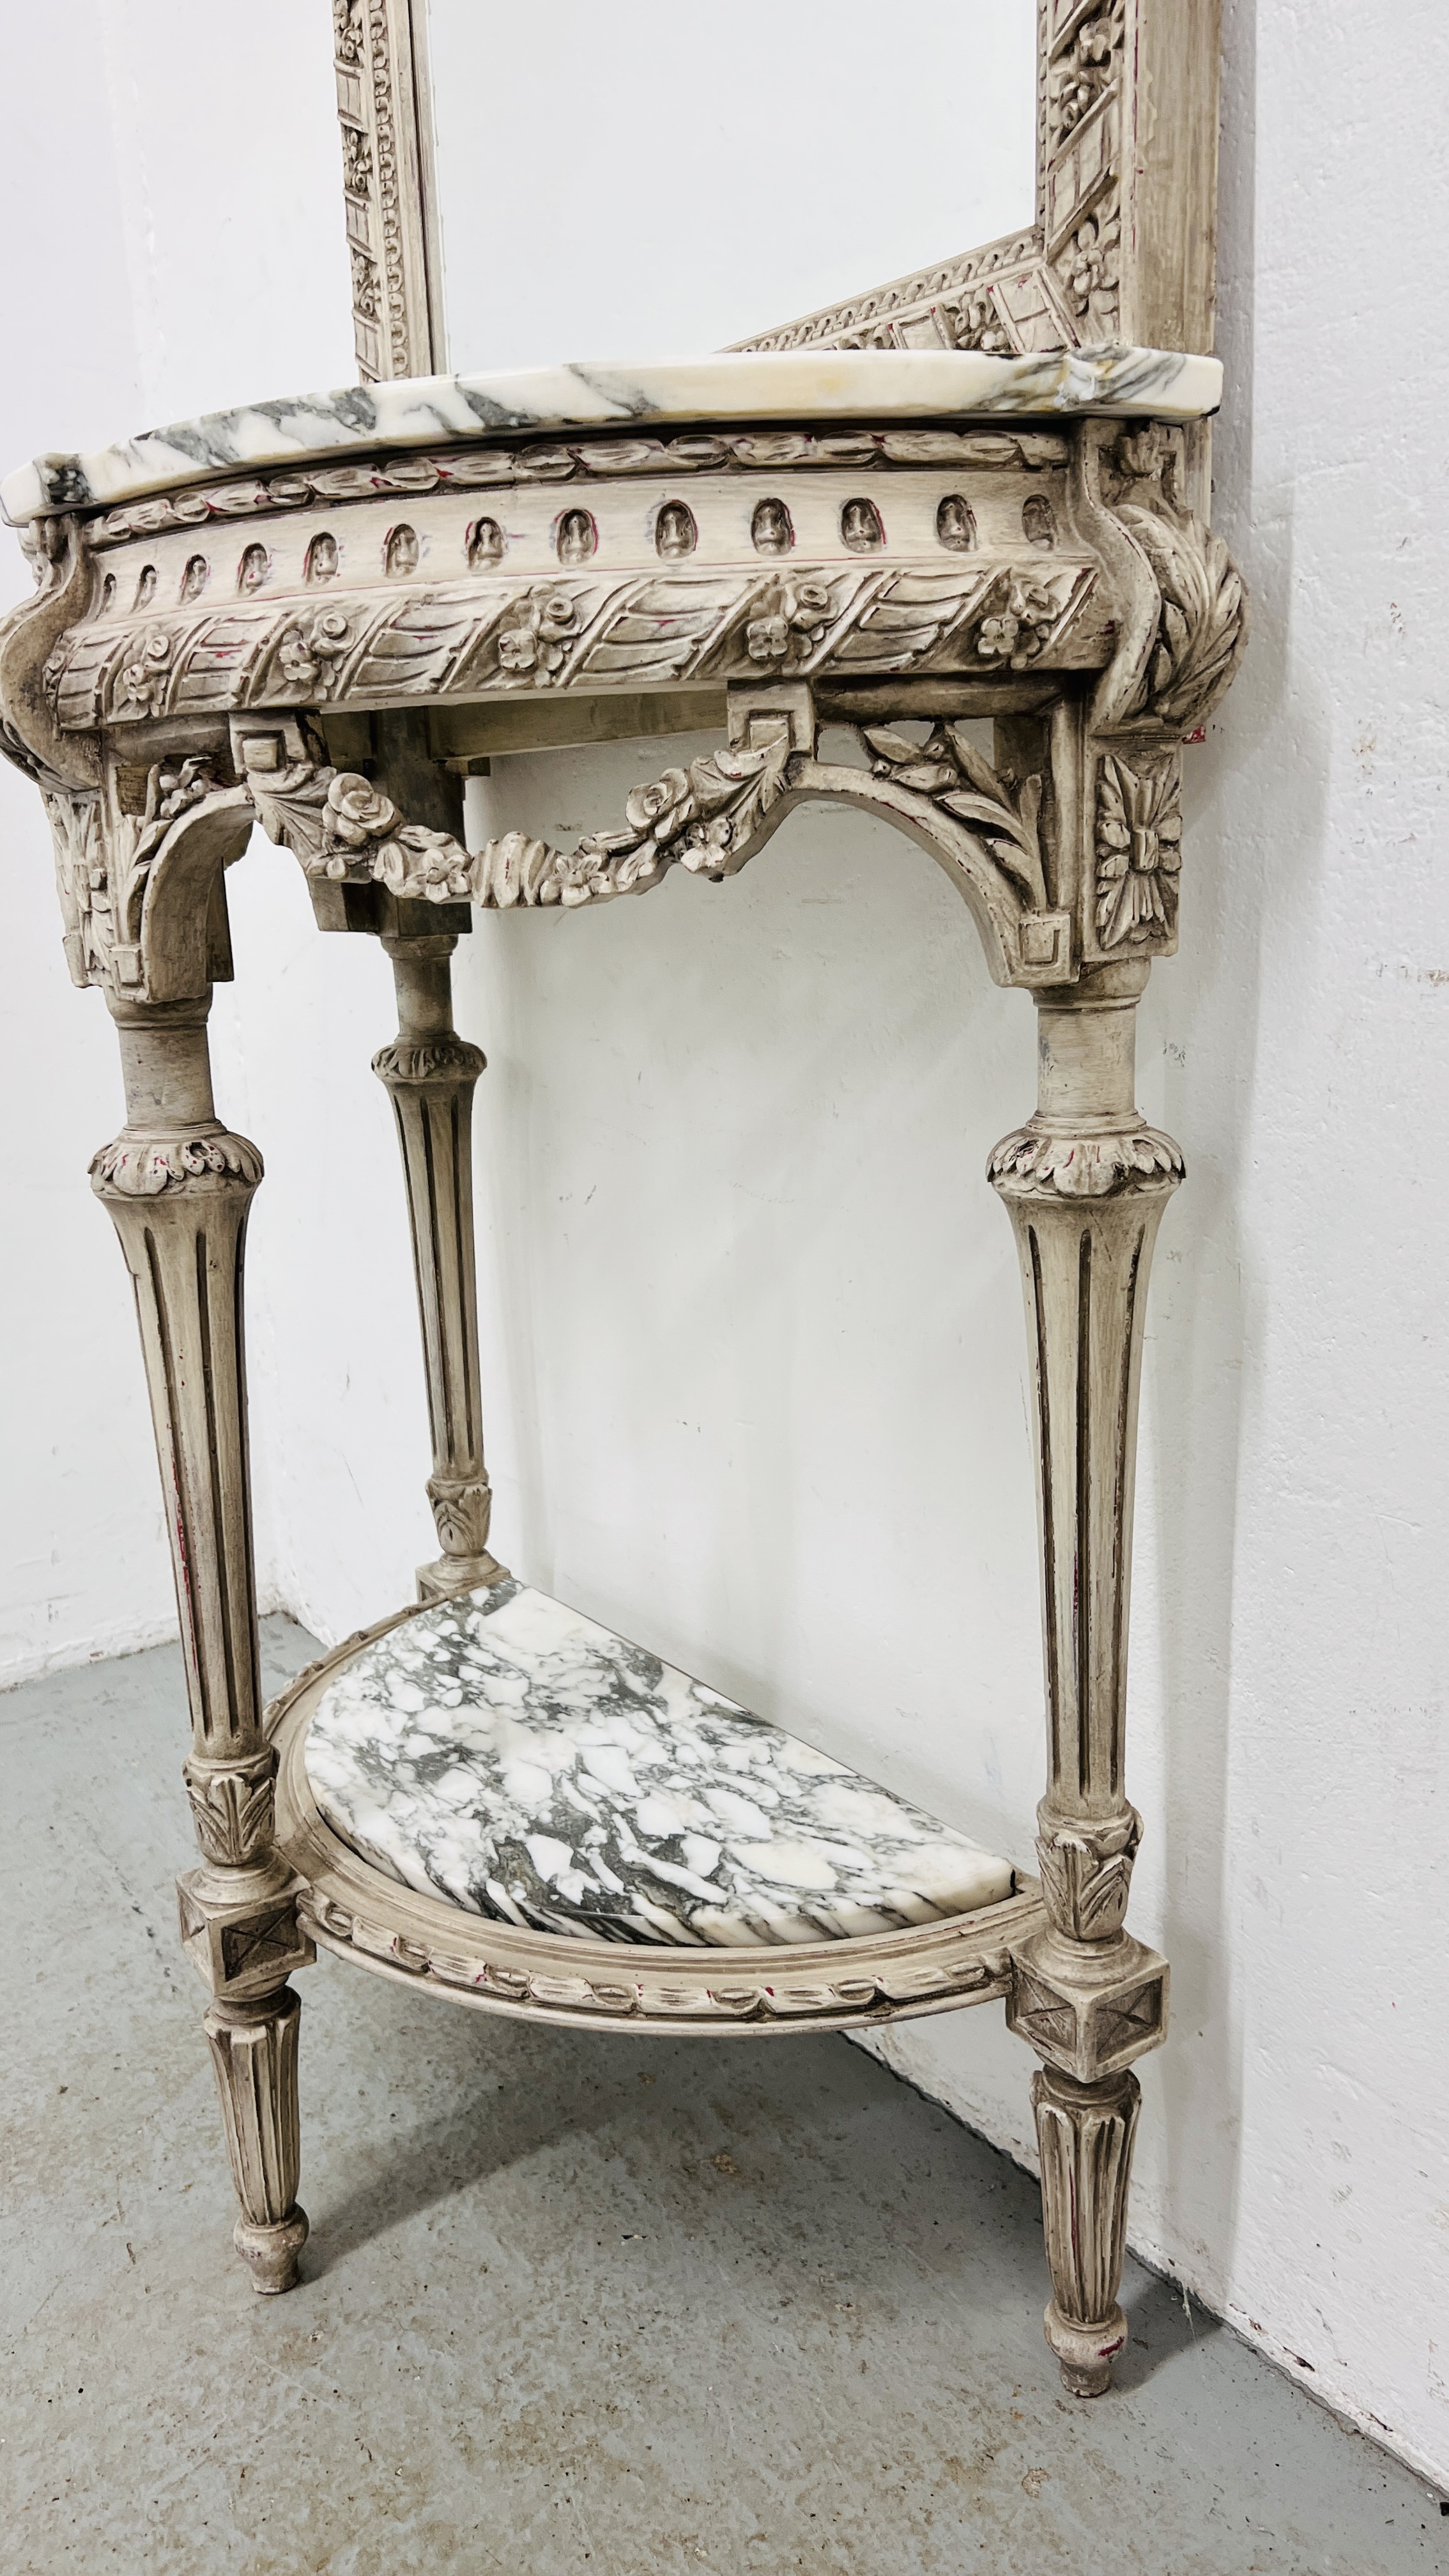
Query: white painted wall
(751, 1314)
(156, 195)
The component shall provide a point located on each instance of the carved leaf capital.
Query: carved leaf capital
(1086, 1870)
(424, 1060)
(135, 1167)
(1032, 1165)
(232, 1808)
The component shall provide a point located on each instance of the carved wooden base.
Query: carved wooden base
(254, 2051)
(1085, 2134)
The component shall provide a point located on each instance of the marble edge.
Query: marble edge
(792, 385)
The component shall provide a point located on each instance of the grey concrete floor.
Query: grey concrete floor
(572, 2302)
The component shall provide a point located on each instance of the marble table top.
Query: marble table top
(506, 1753)
(797, 385)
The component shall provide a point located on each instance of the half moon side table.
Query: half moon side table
(313, 616)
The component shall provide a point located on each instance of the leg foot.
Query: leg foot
(270, 2253)
(254, 2052)
(1085, 2134)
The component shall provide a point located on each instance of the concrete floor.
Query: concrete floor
(571, 2302)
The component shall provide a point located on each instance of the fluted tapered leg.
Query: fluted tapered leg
(430, 1072)
(1085, 1184)
(254, 2052)
(178, 1188)
(1085, 2133)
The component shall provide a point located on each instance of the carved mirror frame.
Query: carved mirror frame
(1123, 247)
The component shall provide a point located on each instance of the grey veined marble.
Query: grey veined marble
(504, 1752)
(801, 385)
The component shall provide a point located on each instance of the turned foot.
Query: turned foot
(254, 2051)
(1085, 2133)
(270, 2253)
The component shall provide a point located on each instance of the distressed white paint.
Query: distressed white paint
(751, 1315)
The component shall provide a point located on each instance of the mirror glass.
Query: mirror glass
(661, 179)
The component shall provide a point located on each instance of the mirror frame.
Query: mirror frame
(1123, 247)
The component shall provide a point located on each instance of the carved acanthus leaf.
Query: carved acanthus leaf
(1204, 621)
(232, 1808)
(461, 1513)
(1003, 810)
(143, 1166)
(1032, 1165)
(1086, 1872)
(102, 857)
(424, 1060)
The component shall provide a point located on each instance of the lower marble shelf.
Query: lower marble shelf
(499, 1799)
(525, 1762)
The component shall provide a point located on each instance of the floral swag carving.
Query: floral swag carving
(701, 818)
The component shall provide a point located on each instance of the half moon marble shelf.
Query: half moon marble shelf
(815, 385)
(522, 1761)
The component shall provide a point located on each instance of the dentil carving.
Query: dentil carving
(467, 469)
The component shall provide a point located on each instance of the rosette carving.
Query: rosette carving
(1138, 850)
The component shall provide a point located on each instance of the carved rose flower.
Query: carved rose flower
(809, 611)
(799, 620)
(1096, 40)
(427, 865)
(308, 658)
(537, 640)
(1017, 633)
(1090, 270)
(767, 639)
(660, 809)
(976, 324)
(357, 812)
(143, 682)
(707, 845)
